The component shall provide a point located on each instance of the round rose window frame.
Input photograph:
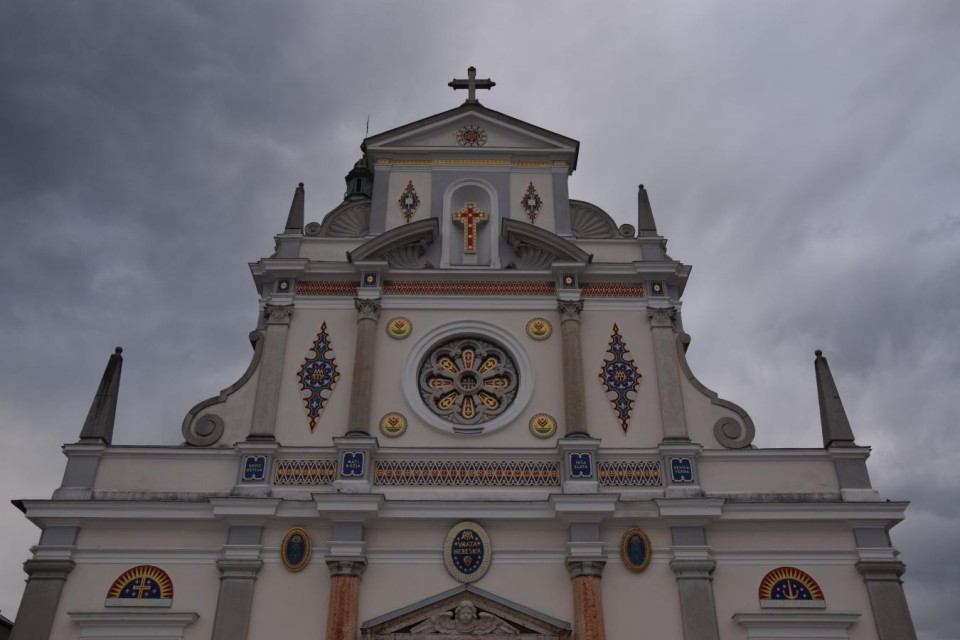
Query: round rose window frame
(467, 329)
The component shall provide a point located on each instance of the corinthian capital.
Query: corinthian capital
(662, 317)
(278, 314)
(570, 309)
(367, 308)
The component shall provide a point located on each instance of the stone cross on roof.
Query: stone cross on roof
(471, 84)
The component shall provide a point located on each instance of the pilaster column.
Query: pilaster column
(574, 404)
(38, 607)
(587, 604)
(697, 607)
(885, 589)
(342, 616)
(238, 567)
(368, 313)
(668, 373)
(278, 319)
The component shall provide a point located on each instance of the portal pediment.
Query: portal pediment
(462, 613)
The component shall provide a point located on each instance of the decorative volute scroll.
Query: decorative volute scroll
(462, 613)
(402, 247)
(538, 248)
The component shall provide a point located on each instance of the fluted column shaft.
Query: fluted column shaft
(587, 603)
(668, 373)
(364, 359)
(574, 401)
(342, 610)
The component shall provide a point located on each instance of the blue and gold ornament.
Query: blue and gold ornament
(620, 378)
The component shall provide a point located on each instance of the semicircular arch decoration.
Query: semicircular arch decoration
(142, 586)
(790, 587)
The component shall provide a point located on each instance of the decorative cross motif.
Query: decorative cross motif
(471, 84)
(470, 217)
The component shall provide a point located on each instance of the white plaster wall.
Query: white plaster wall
(543, 183)
(788, 476)
(422, 183)
(329, 249)
(236, 411)
(640, 605)
(791, 536)
(611, 250)
(166, 473)
(735, 589)
(293, 427)
(163, 535)
(645, 428)
(195, 589)
(290, 605)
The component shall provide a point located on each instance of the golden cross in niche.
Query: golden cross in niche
(470, 217)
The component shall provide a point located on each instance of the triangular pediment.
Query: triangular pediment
(471, 128)
(462, 613)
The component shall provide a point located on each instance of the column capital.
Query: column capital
(662, 317)
(352, 567)
(693, 568)
(367, 308)
(577, 567)
(881, 570)
(52, 569)
(243, 568)
(278, 314)
(569, 310)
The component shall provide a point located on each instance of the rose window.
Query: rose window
(468, 381)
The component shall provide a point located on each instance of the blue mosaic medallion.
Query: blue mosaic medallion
(352, 464)
(295, 549)
(254, 468)
(581, 465)
(467, 552)
(318, 376)
(635, 550)
(681, 470)
(409, 202)
(620, 378)
(531, 203)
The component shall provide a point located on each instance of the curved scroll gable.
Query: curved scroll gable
(728, 431)
(538, 248)
(590, 221)
(402, 247)
(206, 430)
(349, 220)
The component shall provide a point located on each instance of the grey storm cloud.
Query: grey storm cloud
(803, 157)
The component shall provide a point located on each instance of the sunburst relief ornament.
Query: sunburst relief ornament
(318, 376)
(531, 203)
(620, 378)
(409, 201)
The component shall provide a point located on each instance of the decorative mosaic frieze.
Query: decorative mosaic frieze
(620, 378)
(612, 290)
(318, 376)
(531, 203)
(464, 473)
(467, 288)
(630, 473)
(304, 472)
(326, 288)
(409, 202)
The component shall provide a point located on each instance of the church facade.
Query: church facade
(468, 412)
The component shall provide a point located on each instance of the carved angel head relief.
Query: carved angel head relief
(464, 619)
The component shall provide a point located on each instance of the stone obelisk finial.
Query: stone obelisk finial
(295, 217)
(98, 427)
(833, 419)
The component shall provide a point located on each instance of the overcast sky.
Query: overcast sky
(802, 156)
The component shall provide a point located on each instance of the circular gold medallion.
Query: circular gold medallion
(539, 328)
(399, 328)
(543, 425)
(393, 424)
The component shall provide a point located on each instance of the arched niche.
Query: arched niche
(462, 200)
